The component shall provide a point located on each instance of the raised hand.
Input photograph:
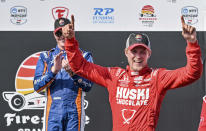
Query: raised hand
(57, 63)
(188, 32)
(68, 30)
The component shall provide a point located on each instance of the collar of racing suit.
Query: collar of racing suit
(135, 73)
(58, 49)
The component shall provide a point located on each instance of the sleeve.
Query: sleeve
(81, 82)
(202, 124)
(169, 79)
(43, 76)
(80, 66)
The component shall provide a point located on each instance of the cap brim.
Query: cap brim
(138, 44)
(57, 29)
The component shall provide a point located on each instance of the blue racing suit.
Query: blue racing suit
(65, 93)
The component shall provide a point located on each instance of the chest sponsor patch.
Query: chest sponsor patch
(132, 97)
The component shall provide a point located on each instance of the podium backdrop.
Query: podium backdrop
(102, 28)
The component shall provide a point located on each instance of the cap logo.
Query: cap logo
(138, 37)
(61, 22)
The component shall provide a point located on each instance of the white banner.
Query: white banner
(105, 15)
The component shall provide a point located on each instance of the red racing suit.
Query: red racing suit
(135, 97)
(202, 125)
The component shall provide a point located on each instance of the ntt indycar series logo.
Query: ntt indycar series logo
(103, 16)
(147, 16)
(18, 15)
(190, 14)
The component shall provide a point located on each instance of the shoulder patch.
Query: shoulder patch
(45, 54)
(154, 72)
(119, 72)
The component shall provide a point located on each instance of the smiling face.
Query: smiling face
(137, 57)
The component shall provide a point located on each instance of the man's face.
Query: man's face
(60, 41)
(59, 37)
(137, 57)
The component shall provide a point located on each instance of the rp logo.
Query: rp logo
(103, 11)
(127, 115)
(59, 12)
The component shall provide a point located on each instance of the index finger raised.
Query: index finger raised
(182, 20)
(72, 20)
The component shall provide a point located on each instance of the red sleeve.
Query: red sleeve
(202, 125)
(180, 77)
(80, 66)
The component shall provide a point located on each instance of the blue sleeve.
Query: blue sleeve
(83, 83)
(43, 76)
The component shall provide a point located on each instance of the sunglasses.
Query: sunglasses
(59, 33)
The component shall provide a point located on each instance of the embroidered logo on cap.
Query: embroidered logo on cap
(61, 22)
(138, 37)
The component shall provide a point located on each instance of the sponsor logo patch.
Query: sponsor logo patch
(147, 16)
(190, 14)
(18, 15)
(103, 16)
(58, 12)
